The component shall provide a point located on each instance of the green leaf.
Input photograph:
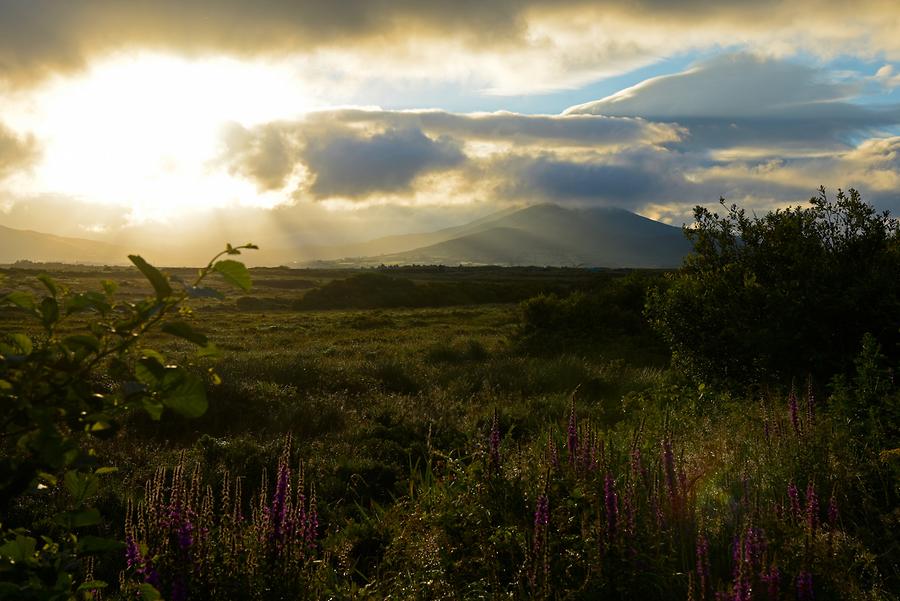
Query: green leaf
(96, 544)
(20, 299)
(50, 283)
(109, 287)
(148, 593)
(234, 272)
(210, 351)
(153, 409)
(92, 585)
(20, 549)
(49, 310)
(188, 396)
(149, 371)
(18, 344)
(100, 471)
(83, 341)
(154, 276)
(78, 519)
(184, 330)
(81, 486)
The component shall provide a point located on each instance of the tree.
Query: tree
(789, 294)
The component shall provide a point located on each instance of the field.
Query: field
(455, 447)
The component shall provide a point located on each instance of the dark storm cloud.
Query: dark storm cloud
(16, 152)
(744, 100)
(575, 130)
(358, 166)
(356, 153)
(38, 37)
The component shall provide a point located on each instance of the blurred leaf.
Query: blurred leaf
(153, 409)
(18, 344)
(96, 544)
(50, 283)
(148, 593)
(149, 371)
(184, 330)
(81, 486)
(20, 549)
(156, 278)
(82, 340)
(210, 351)
(234, 272)
(49, 311)
(78, 519)
(109, 287)
(92, 585)
(20, 299)
(188, 397)
(100, 471)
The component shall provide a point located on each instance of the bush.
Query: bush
(787, 294)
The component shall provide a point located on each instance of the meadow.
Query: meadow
(465, 433)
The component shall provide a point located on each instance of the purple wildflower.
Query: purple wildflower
(805, 586)
(612, 505)
(833, 513)
(703, 564)
(810, 406)
(572, 433)
(794, 496)
(795, 415)
(772, 580)
(812, 507)
(494, 444)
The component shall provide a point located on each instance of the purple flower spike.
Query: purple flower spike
(494, 444)
(805, 586)
(612, 505)
(833, 513)
(812, 507)
(794, 496)
(795, 415)
(572, 433)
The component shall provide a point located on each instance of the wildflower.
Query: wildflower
(794, 496)
(805, 586)
(772, 580)
(703, 564)
(795, 415)
(572, 441)
(494, 444)
(810, 405)
(812, 507)
(833, 514)
(612, 505)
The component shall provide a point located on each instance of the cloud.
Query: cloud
(359, 166)
(16, 152)
(507, 46)
(355, 154)
(744, 100)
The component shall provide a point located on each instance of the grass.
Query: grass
(391, 413)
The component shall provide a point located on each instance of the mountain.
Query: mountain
(545, 234)
(36, 246)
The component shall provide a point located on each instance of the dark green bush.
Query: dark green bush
(783, 295)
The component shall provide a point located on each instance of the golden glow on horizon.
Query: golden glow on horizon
(144, 131)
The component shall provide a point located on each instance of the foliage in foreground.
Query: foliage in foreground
(67, 387)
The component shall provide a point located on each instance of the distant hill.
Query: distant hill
(545, 234)
(28, 245)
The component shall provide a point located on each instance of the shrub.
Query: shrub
(786, 294)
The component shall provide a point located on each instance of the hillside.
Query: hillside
(17, 244)
(548, 234)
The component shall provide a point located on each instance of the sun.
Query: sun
(144, 131)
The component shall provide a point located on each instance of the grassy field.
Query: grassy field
(443, 452)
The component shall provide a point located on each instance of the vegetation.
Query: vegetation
(783, 295)
(398, 449)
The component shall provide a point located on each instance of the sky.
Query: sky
(295, 122)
